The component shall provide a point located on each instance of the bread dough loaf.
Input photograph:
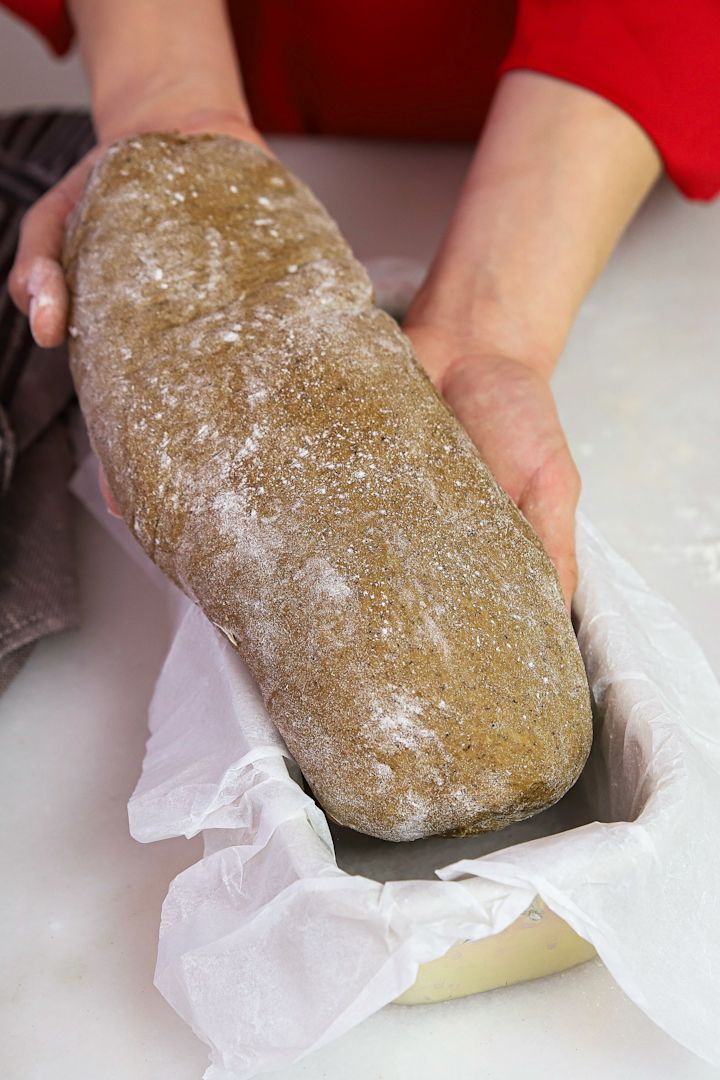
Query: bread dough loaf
(280, 454)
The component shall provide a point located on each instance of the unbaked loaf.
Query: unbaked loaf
(277, 450)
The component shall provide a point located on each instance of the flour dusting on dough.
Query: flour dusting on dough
(280, 454)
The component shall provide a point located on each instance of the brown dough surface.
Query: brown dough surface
(277, 450)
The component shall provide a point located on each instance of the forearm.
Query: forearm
(158, 63)
(153, 65)
(557, 175)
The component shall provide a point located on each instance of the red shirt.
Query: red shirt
(427, 70)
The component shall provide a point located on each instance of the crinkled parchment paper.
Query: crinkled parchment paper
(285, 935)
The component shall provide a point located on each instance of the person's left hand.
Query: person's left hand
(509, 412)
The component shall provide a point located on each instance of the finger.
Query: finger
(566, 566)
(558, 539)
(110, 502)
(549, 503)
(47, 303)
(36, 281)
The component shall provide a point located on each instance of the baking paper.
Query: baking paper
(285, 934)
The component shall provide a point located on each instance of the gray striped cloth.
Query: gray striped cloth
(38, 590)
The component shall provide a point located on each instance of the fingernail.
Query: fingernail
(32, 312)
(37, 303)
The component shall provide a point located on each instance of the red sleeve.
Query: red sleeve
(658, 60)
(48, 17)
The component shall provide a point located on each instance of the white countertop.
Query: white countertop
(639, 390)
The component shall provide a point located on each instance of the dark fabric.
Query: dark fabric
(37, 576)
(38, 592)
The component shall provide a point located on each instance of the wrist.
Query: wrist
(169, 64)
(169, 109)
(477, 315)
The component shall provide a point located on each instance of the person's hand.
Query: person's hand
(508, 410)
(36, 282)
(557, 174)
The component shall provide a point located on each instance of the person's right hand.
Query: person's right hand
(37, 283)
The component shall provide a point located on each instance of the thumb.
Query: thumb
(549, 502)
(36, 282)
